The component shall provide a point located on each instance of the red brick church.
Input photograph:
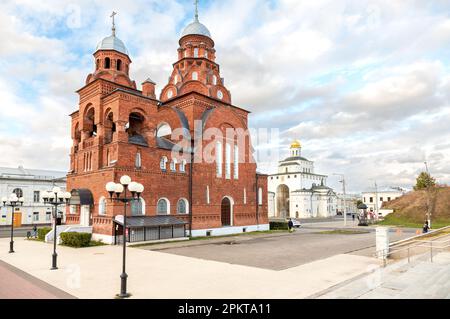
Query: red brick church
(121, 130)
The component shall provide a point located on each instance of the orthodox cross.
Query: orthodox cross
(113, 24)
(196, 10)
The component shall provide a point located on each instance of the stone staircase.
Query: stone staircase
(66, 228)
(419, 279)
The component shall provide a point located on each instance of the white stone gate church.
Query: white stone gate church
(296, 191)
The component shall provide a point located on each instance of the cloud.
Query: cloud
(363, 84)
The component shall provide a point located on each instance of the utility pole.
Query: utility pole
(376, 200)
(428, 197)
(344, 196)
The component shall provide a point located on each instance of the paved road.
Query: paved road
(278, 251)
(16, 284)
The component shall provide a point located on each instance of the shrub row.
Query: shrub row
(278, 225)
(42, 232)
(76, 239)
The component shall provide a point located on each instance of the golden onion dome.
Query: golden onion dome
(296, 144)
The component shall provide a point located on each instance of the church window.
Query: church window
(163, 207)
(219, 155)
(227, 161)
(183, 166)
(110, 128)
(196, 53)
(107, 63)
(136, 126)
(89, 123)
(260, 196)
(236, 162)
(194, 76)
(169, 94)
(182, 206)
(206, 53)
(137, 207)
(102, 206)
(220, 94)
(163, 129)
(245, 196)
(119, 65)
(137, 161)
(214, 80)
(207, 194)
(163, 163)
(173, 165)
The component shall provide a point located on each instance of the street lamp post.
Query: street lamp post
(428, 197)
(136, 190)
(345, 200)
(56, 198)
(12, 202)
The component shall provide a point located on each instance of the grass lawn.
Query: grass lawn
(399, 221)
(343, 232)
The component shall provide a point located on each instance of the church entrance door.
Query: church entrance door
(283, 201)
(226, 212)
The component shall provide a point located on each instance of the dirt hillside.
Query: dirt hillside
(413, 205)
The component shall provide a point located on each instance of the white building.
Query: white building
(374, 198)
(350, 203)
(28, 183)
(297, 191)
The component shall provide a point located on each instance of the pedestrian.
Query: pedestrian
(426, 227)
(353, 217)
(35, 231)
(291, 225)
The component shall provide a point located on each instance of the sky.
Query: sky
(364, 85)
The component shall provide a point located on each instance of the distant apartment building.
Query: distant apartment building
(374, 198)
(29, 184)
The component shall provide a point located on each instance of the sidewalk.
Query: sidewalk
(94, 273)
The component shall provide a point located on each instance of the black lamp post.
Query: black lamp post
(13, 202)
(55, 198)
(136, 190)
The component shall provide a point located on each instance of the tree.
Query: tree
(424, 180)
(359, 202)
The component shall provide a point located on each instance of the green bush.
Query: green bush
(278, 225)
(42, 232)
(73, 239)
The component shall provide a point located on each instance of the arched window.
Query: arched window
(163, 163)
(214, 80)
(89, 122)
(260, 196)
(207, 194)
(236, 162)
(219, 159)
(119, 65)
(182, 206)
(163, 129)
(135, 129)
(18, 192)
(102, 206)
(227, 160)
(137, 161)
(107, 63)
(183, 166)
(137, 207)
(195, 52)
(163, 207)
(194, 76)
(173, 165)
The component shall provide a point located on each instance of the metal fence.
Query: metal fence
(152, 233)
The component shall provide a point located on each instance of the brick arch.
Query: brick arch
(194, 86)
(224, 115)
(226, 94)
(170, 86)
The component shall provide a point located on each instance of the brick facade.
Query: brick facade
(115, 122)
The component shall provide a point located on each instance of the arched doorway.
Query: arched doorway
(283, 201)
(225, 209)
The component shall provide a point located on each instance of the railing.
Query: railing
(432, 245)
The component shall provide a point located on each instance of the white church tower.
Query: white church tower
(297, 191)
